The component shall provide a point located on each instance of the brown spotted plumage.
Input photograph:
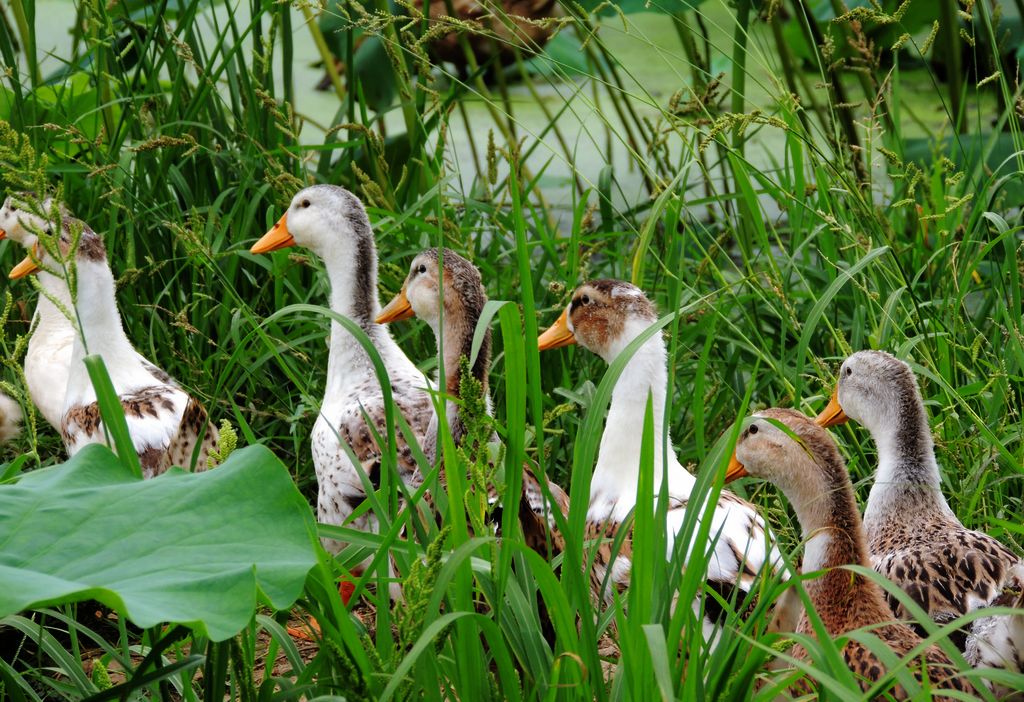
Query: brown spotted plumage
(914, 538)
(813, 478)
(446, 291)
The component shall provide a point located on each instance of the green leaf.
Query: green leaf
(188, 548)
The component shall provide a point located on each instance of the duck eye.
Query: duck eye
(422, 268)
(585, 299)
(849, 371)
(752, 430)
(305, 203)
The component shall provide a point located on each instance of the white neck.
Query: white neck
(52, 321)
(362, 307)
(908, 474)
(101, 330)
(614, 484)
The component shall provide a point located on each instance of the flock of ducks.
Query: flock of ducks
(908, 532)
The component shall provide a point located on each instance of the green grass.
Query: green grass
(770, 269)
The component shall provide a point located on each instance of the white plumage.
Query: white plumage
(53, 336)
(164, 422)
(10, 418)
(604, 317)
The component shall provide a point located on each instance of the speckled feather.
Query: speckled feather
(947, 569)
(333, 224)
(464, 299)
(160, 445)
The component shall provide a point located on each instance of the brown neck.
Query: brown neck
(834, 538)
(458, 342)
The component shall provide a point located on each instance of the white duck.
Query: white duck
(604, 317)
(10, 418)
(914, 538)
(53, 336)
(331, 222)
(436, 276)
(164, 422)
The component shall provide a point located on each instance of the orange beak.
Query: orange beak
(28, 265)
(833, 414)
(735, 470)
(277, 238)
(396, 310)
(558, 334)
(3, 234)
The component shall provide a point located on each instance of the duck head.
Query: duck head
(326, 219)
(874, 389)
(76, 241)
(804, 464)
(421, 295)
(765, 451)
(603, 317)
(21, 221)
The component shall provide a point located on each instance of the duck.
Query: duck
(332, 223)
(48, 355)
(446, 291)
(10, 418)
(168, 427)
(812, 475)
(604, 316)
(946, 568)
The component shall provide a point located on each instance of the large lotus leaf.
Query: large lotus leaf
(189, 548)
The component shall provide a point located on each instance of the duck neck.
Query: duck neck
(101, 332)
(833, 537)
(353, 280)
(454, 341)
(617, 473)
(829, 520)
(52, 320)
(908, 474)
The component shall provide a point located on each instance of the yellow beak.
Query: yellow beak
(558, 334)
(833, 414)
(277, 238)
(28, 265)
(735, 470)
(396, 310)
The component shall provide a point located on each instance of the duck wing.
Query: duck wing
(194, 428)
(949, 573)
(153, 415)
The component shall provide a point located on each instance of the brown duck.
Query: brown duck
(445, 290)
(812, 475)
